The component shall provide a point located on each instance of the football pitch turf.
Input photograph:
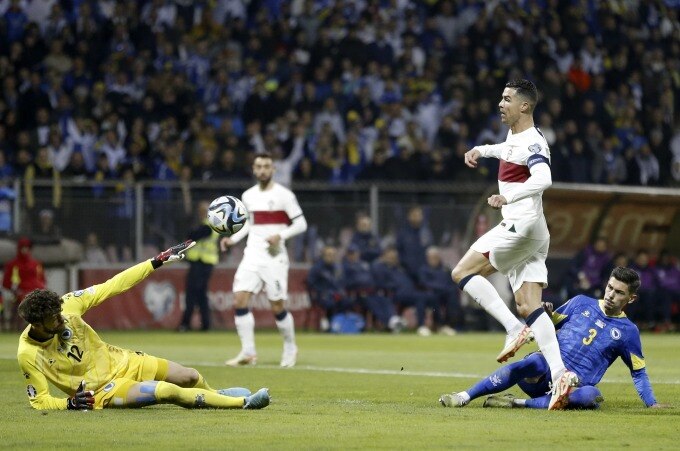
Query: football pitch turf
(348, 392)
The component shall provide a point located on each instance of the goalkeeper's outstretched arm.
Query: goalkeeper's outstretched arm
(79, 302)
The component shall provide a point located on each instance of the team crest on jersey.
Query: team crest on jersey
(586, 313)
(67, 334)
(535, 148)
(615, 333)
(30, 390)
(109, 387)
(78, 293)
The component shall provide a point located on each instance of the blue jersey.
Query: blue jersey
(590, 341)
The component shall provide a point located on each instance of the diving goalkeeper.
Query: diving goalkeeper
(59, 347)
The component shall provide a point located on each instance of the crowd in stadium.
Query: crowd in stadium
(412, 269)
(339, 90)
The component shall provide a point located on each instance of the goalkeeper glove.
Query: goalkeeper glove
(82, 400)
(173, 254)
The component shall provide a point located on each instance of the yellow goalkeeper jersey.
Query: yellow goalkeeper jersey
(77, 353)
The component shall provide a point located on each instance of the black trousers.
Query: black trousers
(197, 294)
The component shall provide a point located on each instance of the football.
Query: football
(227, 215)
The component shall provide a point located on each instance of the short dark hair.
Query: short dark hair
(263, 155)
(526, 89)
(39, 305)
(628, 276)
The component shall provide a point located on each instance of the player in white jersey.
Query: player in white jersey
(275, 216)
(518, 246)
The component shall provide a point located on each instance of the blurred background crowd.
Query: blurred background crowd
(338, 90)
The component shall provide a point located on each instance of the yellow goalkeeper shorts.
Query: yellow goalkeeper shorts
(141, 367)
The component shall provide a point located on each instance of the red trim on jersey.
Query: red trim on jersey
(511, 172)
(271, 217)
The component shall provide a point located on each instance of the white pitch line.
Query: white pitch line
(331, 369)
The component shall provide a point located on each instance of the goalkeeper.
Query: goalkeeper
(59, 347)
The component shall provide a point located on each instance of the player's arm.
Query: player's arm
(539, 181)
(491, 150)
(203, 231)
(39, 395)
(634, 360)
(561, 315)
(79, 302)
(298, 223)
(228, 241)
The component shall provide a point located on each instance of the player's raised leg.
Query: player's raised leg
(470, 275)
(245, 327)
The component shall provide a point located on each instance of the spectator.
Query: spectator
(645, 314)
(589, 269)
(412, 240)
(325, 282)
(668, 274)
(7, 197)
(361, 290)
(22, 275)
(364, 239)
(649, 166)
(392, 280)
(121, 212)
(47, 231)
(435, 278)
(94, 253)
(40, 196)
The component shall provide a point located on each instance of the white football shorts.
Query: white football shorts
(270, 274)
(521, 259)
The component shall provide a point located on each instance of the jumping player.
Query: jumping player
(518, 246)
(275, 216)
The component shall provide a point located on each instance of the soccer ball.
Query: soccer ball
(227, 215)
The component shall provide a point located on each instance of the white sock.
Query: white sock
(287, 328)
(519, 402)
(486, 295)
(245, 327)
(544, 333)
(465, 395)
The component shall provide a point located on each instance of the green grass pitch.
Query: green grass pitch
(348, 392)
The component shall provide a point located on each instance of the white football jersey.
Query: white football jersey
(518, 155)
(270, 212)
